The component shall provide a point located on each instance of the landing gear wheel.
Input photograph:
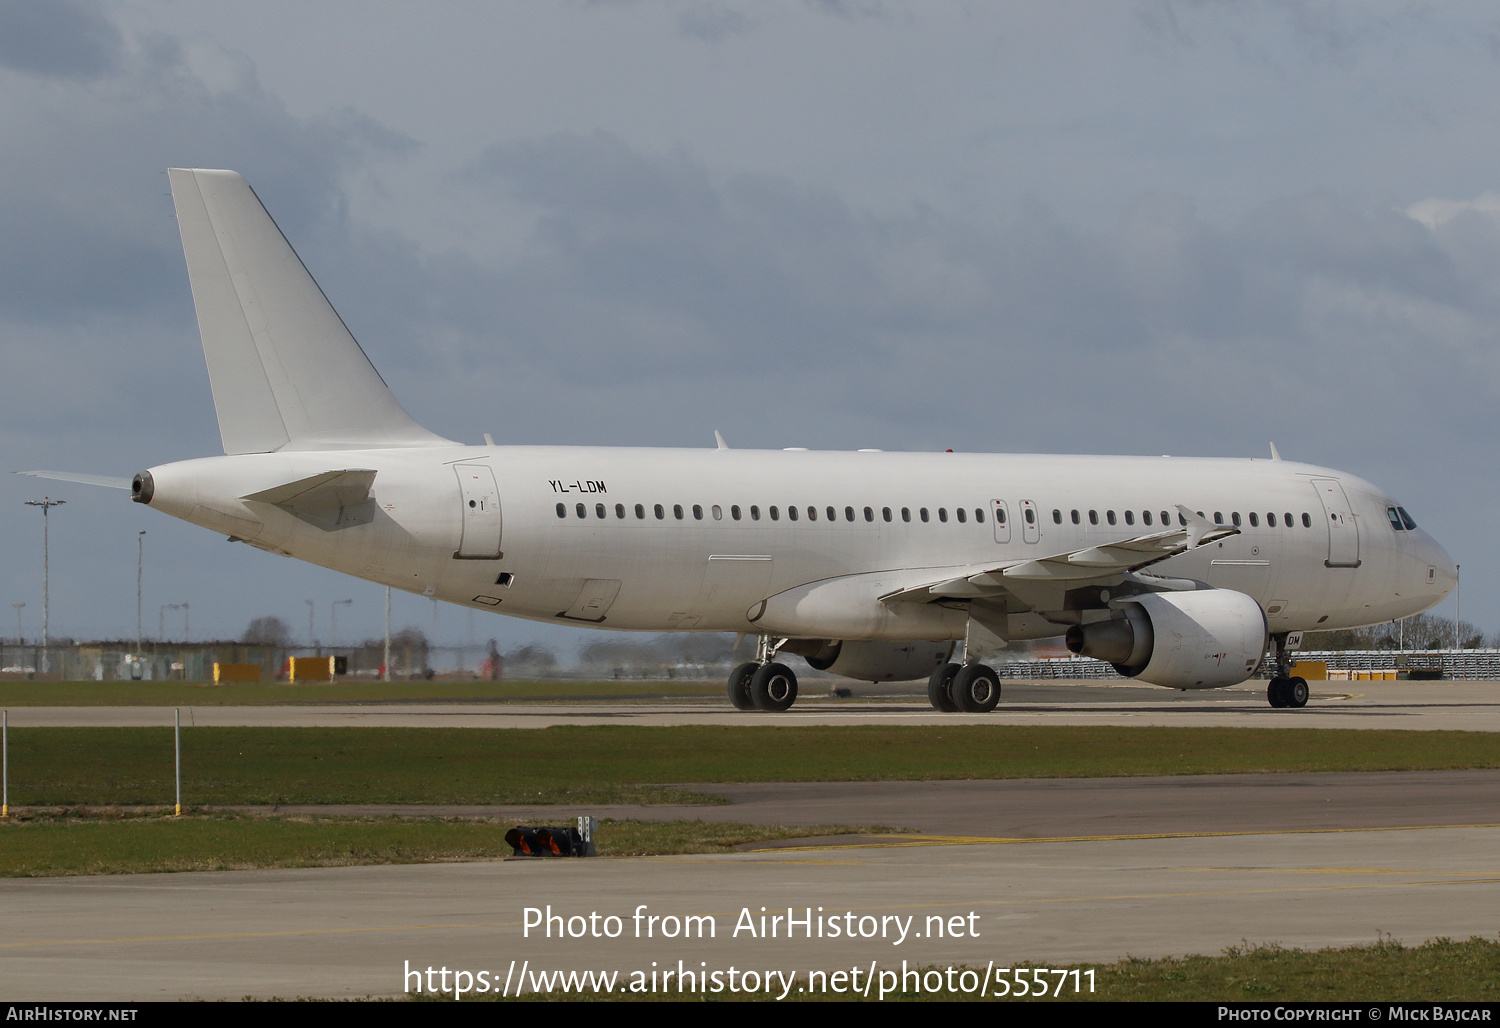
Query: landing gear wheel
(739, 687)
(939, 688)
(773, 687)
(975, 689)
(1276, 692)
(1296, 692)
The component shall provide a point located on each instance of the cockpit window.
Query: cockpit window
(1390, 512)
(1406, 519)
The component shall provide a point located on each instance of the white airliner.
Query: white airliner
(872, 565)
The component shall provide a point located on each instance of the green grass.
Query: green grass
(629, 764)
(1386, 971)
(354, 690)
(74, 843)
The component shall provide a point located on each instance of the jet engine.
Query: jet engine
(1182, 640)
(873, 660)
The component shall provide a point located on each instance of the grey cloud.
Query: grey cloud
(62, 38)
(713, 22)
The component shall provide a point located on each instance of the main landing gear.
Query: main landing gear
(971, 688)
(763, 684)
(1285, 690)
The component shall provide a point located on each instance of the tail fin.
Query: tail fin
(286, 373)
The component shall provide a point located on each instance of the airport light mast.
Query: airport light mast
(46, 503)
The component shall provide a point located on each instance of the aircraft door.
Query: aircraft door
(481, 513)
(1001, 517)
(1031, 522)
(1343, 532)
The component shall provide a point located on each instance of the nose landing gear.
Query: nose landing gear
(1285, 690)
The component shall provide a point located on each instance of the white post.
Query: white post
(386, 676)
(5, 763)
(177, 755)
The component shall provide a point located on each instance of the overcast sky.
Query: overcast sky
(1152, 227)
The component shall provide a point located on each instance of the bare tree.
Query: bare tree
(267, 631)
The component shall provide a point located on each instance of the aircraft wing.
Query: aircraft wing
(1102, 565)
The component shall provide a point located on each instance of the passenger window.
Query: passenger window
(943, 515)
(849, 513)
(1271, 519)
(717, 512)
(1145, 517)
(1182, 519)
(562, 510)
(659, 512)
(1075, 517)
(734, 511)
(1093, 517)
(906, 514)
(1306, 520)
(1254, 520)
(923, 513)
(1166, 518)
(1218, 517)
(583, 511)
(1235, 519)
(999, 515)
(677, 511)
(775, 514)
(697, 512)
(754, 513)
(962, 514)
(791, 514)
(620, 510)
(1056, 516)
(1109, 516)
(979, 515)
(833, 515)
(870, 515)
(599, 511)
(885, 512)
(640, 512)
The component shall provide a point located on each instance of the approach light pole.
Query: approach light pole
(20, 639)
(333, 620)
(46, 503)
(161, 623)
(385, 675)
(140, 556)
(310, 609)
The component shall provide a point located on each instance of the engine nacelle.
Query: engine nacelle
(1182, 640)
(877, 660)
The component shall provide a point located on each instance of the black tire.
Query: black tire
(939, 688)
(739, 686)
(1276, 692)
(975, 689)
(1296, 692)
(773, 687)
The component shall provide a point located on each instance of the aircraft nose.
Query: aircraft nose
(1444, 571)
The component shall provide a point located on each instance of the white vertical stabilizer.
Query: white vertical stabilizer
(286, 373)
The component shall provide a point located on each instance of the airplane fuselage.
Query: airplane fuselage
(706, 540)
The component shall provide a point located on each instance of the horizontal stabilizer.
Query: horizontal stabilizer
(286, 374)
(107, 481)
(328, 491)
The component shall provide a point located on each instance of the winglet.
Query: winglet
(1275, 453)
(1201, 530)
(720, 440)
